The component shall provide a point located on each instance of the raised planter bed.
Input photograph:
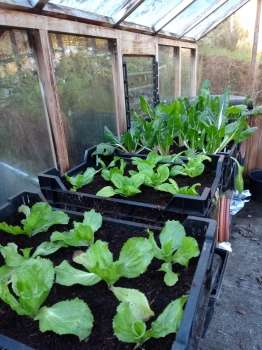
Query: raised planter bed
(150, 204)
(195, 281)
(229, 166)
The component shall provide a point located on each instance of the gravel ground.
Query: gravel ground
(237, 321)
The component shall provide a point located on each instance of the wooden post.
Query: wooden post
(177, 71)
(47, 77)
(253, 63)
(193, 72)
(118, 81)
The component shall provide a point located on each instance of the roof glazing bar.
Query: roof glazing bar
(40, 5)
(126, 10)
(221, 20)
(202, 17)
(171, 15)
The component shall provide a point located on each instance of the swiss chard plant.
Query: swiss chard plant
(38, 219)
(135, 256)
(81, 180)
(175, 248)
(129, 323)
(173, 188)
(125, 186)
(25, 284)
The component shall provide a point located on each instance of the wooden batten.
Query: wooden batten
(46, 72)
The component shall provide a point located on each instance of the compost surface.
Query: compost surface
(101, 301)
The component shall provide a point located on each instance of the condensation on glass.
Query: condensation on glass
(84, 76)
(140, 79)
(166, 73)
(24, 140)
(150, 11)
(188, 18)
(186, 72)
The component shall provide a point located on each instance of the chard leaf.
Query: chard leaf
(170, 277)
(239, 181)
(67, 275)
(11, 256)
(31, 284)
(187, 250)
(127, 328)
(103, 149)
(137, 301)
(99, 260)
(67, 317)
(135, 256)
(81, 180)
(106, 191)
(48, 248)
(41, 217)
(169, 320)
(15, 230)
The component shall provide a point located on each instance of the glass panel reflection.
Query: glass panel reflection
(83, 69)
(24, 141)
(186, 64)
(166, 73)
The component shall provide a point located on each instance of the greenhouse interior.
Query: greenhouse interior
(131, 174)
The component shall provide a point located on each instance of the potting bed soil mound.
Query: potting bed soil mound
(101, 301)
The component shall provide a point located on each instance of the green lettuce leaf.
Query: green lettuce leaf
(173, 188)
(169, 320)
(135, 256)
(81, 180)
(15, 230)
(170, 277)
(137, 300)
(48, 248)
(67, 317)
(11, 256)
(41, 217)
(188, 249)
(67, 275)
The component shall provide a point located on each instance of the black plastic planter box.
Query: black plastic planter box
(53, 187)
(193, 323)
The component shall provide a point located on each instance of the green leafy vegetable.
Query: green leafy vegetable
(173, 188)
(124, 186)
(175, 247)
(38, 219)
(81, 180)
(68, 276)
(31, 283)
(11, 256)
(135, 256)
(48, 248)
(67, 317)
(111, 169)
(83, 232)
(239, 181)
(130, 326)
(194, 166)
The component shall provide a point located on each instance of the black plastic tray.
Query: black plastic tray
(193, 321)
(53, 188)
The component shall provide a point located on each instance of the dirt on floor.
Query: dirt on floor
(237, 321)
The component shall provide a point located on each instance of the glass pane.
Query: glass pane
(140, 79)
(150, 11)
(213, 19)
(24, 141)
(166, 73)
(83, 69)
(225, 55)
(186, 64)
(100, 7)
(189, 16)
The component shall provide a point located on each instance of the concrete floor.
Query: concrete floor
(237, 321)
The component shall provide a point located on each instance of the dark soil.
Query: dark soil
(101, 301)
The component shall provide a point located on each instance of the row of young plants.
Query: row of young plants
(155, 171)
(26, 278)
